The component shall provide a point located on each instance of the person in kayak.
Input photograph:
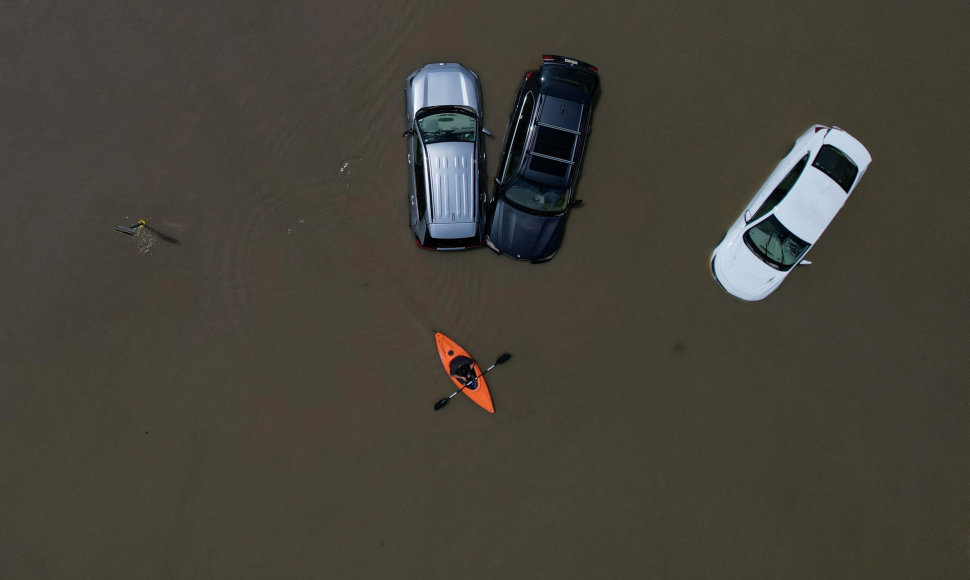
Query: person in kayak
(461, 368)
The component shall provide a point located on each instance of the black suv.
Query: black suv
(541, 159)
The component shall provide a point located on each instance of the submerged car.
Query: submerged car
(790, 212)
(446, 156)
(541, 159)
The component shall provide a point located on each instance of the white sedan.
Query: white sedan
(789, 212)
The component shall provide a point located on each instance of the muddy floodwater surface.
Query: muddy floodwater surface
(244, 388)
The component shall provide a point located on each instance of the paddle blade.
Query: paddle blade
(441, 403)
(503, 358)
(125, 230)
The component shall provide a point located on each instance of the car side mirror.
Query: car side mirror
(804, 263)
(576, 203)
(497, 182)
(747, 216)
(408, 133)
(486, 131)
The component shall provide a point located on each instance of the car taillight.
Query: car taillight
(594, 69)
(530, 73)
(820, 128)
(547, 58)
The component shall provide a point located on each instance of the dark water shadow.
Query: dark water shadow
(161, 236)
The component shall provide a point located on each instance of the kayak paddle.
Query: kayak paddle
(133, 230)
(130, 230)
(444, 401)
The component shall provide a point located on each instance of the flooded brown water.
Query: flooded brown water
(246, 390)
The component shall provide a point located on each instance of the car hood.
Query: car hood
(444, 84)
(523, 235)
(741, 273)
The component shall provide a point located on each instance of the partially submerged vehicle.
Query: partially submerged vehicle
(542, 157)
(789, 213)
(446, 156)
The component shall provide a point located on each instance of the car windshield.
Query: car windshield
(450, 126)
(536, 197)
(774, 244)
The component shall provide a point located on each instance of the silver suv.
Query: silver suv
(446, 156)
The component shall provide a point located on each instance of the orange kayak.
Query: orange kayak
(456, 360)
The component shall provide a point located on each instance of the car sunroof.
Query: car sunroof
(561, 113)
(554, 143)
(548, 166)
